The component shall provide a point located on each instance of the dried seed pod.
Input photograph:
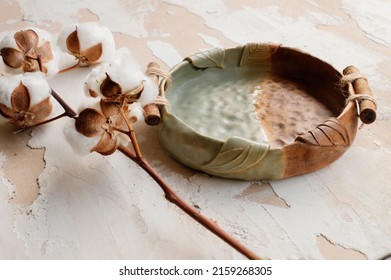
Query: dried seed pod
(29, 50)
(88, 42)
(25, 99)
(122, 81)
(100, 127)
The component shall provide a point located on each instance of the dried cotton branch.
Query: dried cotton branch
(106, 124)
(118, 112)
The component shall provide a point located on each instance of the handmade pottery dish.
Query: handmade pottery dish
(261, 111)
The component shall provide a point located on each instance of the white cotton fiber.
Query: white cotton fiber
(38, 87)
(34, 82)
(123, 70)
(90, 34)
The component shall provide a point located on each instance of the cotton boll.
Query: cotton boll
(35, 83)
(43, 49)
(25, 99)
(80, 144)
(96, 77)
(98, 127)
(89, 35)
(123, 70)
(8, 41)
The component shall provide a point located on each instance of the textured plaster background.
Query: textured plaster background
(55, 204)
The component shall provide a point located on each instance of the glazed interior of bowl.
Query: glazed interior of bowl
(272, 100)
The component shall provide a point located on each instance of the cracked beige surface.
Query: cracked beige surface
(106, 208)
(22, 166)
(332, 251)
(262, 193)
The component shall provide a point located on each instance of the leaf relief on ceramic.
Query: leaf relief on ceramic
(237, 155)
(257, 52)
(330, 133)
(210, 58)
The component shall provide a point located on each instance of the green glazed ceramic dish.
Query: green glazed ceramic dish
(259, 111)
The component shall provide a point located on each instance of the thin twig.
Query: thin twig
(135, 144)
(173, 197)
(65, 114)
(68, 110)
(131, 134)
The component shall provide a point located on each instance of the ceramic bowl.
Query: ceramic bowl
(259, 111)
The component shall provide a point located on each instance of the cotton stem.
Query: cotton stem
(44, 122)
(174, 198)
(68, 110)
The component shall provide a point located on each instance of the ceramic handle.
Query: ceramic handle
(362, 93)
